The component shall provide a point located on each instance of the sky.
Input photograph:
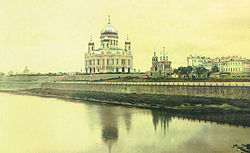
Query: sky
(52, 35)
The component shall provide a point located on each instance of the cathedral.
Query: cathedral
(109, 57)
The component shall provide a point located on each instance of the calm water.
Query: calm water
(30, 124)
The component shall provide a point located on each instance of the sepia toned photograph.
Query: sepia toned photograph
(124, 76)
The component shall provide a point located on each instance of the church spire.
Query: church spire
(109, 19)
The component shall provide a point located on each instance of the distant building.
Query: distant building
(10, 72)
(109, 57)
(200, 61)
(26, 70)
(161, 66)
(234, 66)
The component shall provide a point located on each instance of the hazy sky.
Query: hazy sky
(52, 35)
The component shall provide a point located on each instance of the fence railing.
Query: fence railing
(228, 84)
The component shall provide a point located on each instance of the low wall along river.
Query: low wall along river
(230, 90)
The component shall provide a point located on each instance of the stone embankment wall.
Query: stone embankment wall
(16, 85)
(16, 82)
(93, 77)
(230, 90)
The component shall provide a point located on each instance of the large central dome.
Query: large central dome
(109, 29)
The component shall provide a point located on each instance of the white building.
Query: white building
(235, 65)
(200, 61)
(109, 57)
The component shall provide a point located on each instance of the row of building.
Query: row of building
(234, 66)
(110, 58)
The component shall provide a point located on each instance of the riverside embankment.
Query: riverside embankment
(226, 90)
(170, 103)
(184, 97)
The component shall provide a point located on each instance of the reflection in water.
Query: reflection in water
(239, 119)
(164, 117)
(127, 118)
(109, 136)
(46, 125)
(109, 122)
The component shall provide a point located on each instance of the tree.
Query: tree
(215, 69)
(242, 147)
(176, 71)
(189, 70)
(201, 71)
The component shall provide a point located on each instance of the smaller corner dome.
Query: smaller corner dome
(127, 42)
(91, 42)
(109, 29)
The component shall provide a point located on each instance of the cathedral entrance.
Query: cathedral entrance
(128, 70)
(123, 69)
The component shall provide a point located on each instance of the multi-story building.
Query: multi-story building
(200, 61)
(236, 66)
(161, 66)
(109, 57)
(232, 65)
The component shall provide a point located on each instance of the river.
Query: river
(30, 124)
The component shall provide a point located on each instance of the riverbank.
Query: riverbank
(171, 103)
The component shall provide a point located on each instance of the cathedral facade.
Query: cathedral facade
(109, 57)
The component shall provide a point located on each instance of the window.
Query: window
(90, 62)
(103, 61)
(117, 61)
(107, 61)
(93, 62)
(113, 61)
(98, 62)
(128, 62)
(123, 61)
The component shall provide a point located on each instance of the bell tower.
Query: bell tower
(91, 45)
(127, 45)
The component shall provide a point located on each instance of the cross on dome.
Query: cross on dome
(109, 29)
